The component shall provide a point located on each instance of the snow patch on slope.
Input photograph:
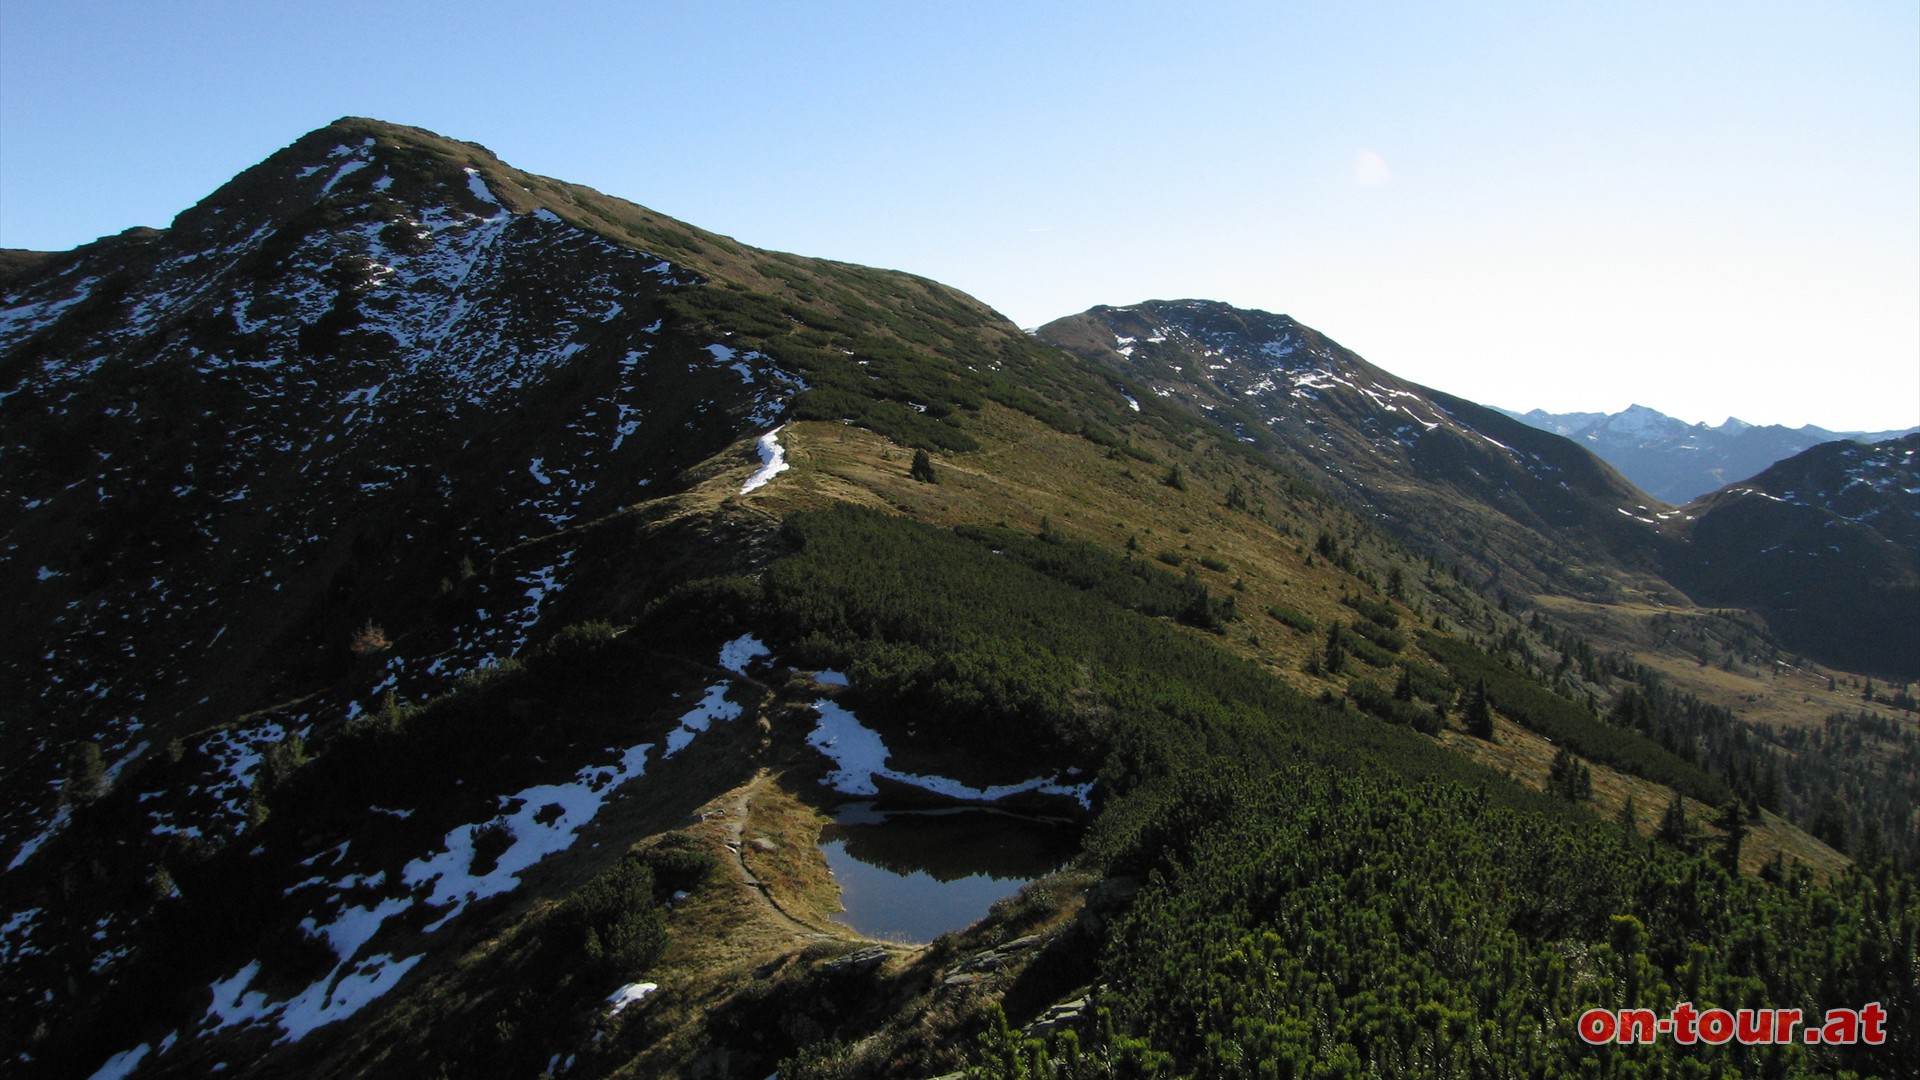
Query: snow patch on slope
(714, 706)
(860, 755)
(541, 820)
(773, 461)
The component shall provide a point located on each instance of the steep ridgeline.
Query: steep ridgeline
(1524, 509)
(336, 395)
(1675, 461)
(362, 430)
(335, 432)
(1825, 544)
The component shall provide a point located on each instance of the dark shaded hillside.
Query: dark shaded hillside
(377, 382)
(342, 391)
(1826, 545)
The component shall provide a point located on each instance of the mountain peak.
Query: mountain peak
(1639, 421)
(1406, 453)
(353, 161)
(359, 128)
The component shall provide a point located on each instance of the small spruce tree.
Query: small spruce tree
(1334, 660)
(1732, 821)
(1563, 777)
(1479, 714)
(371, 638)
(922, 469)
(1674, 828)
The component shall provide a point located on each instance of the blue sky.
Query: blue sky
(1707, 208)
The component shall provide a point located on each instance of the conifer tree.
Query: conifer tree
(86, 773)
(1569, 778)
(1479, 717)
(1674, 827)
(1732, 820)
(1335, 659)
(1628, 819)
(1830, 823)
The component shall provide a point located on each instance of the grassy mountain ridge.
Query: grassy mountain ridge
(523, 669)
(1521, 508)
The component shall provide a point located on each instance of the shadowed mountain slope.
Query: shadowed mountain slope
(1825, 545)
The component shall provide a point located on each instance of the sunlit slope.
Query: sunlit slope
(1525, 510)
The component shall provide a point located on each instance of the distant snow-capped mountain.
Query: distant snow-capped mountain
(1677, 461)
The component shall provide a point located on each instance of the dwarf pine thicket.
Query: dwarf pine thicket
(1350, 924)
(1325, 894)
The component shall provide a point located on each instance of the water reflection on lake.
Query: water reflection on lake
(912, 875)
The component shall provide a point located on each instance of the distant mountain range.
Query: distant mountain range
(1677, 462)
